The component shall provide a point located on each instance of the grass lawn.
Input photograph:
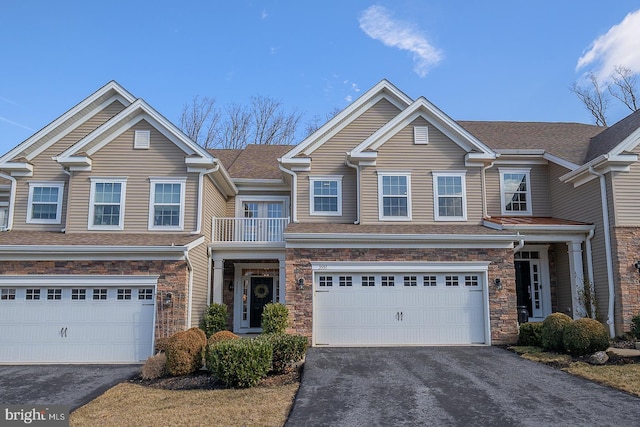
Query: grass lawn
(625, 377)
(130, 404)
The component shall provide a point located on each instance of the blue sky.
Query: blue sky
(490, 60)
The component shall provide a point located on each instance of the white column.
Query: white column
(218, 276)
(577, 277)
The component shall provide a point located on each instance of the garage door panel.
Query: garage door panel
(413, 312)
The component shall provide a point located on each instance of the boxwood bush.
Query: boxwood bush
(275, 318)
(585, 336)
(184, 352)
(221, 336)
(214, 319)
(287, 350)
(552, 329)
(240, 363)
(530, 334)
(635, 326)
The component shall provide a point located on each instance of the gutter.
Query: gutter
(357, 168)
(607, 246)
(294, 192)
(201, 196)
(66, 219)
(520, 246)
(12, 199)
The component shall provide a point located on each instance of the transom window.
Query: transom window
(471, 281)
(166, 204)
(78, 294)
(410, 280)
(54, 294)
(325, 281)
(32, 294)
(7, 294)
(124, 294)
(145, 294)
(449, 192)
(394, 196)
(345, 281)
(516, 191)
(451, 281)
(368, 280)
(387, 281)
(100, 294)
(326, 195)
(45, 202)
(106, 210)
(429, 281)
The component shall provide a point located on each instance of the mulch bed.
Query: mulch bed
(202, 380)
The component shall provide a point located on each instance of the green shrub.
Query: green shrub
(585, 336)
(530, 334)
(635, 326)
(551, 333)
(240, 363)
(184, 352)
(287, 350)
(214, 319)
(275, 318)
(221, 336)
(154, 367)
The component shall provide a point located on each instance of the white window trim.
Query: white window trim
(381, 216)
(436, 206)
(527, 172)
(152, 195)
(32, 185)
(123, 192)
(312, 196)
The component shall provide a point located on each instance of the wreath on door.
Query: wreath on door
(261, 291)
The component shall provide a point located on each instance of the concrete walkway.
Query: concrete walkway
(449, 386)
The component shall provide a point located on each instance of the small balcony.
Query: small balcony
(249, 231)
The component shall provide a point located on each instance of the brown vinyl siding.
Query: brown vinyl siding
(564, 302)
(400, 154)
(540, 197)
(200, 262)
(119, 159)
(329, 159)
(47, 169)
(626, 193)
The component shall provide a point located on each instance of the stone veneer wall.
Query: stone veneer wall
(502, 304)
(626, 251)
(173, 277)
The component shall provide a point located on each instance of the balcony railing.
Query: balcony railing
(249, 230)
(4, 219)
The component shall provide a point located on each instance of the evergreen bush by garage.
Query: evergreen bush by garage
(240, 363)
(214, 319)
(635, 326)
(552, 329)
(287, 350)
(530, 334)
(184, 352)
(275, 318)
(585, 336)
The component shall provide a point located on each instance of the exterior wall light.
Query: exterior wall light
(168, 298)
(498, 283)
(301, 283)
(230, 286)
(637, 266)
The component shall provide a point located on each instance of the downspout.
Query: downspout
(587, 248)
(209, 277)
(607, 247)
(485, 213)
(12, 199)
(190, 293)
(201, 197)
(294, 192)
(357, 168)
(66, 171)
(519, 246)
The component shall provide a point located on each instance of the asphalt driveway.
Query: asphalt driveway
(71, 385)
(457, 386)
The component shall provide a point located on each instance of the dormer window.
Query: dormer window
(515, 189)
(142, 140)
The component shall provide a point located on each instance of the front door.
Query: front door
(261, 294)
(529, 283)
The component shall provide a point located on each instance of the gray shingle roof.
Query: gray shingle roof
(255, 161)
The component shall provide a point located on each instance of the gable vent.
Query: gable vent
(420, 135)
(142, 139)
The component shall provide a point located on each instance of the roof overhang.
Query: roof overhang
(17, 168)
(601, 164)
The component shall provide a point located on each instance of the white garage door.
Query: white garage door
(86, 321)
(409, 308)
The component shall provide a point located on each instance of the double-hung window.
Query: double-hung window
(106, 205)
(166, 204)
(449, 196)
(45, 202)
(326, 195)
(394, 196)
(515, 189)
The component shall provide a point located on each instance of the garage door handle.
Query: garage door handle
(401, 315)
(63, 332)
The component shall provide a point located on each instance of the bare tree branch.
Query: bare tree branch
(199, 121)
(624, 87)
(594, 99)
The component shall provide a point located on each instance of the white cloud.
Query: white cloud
(20, 125)
(620, 46)
(378, 23)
